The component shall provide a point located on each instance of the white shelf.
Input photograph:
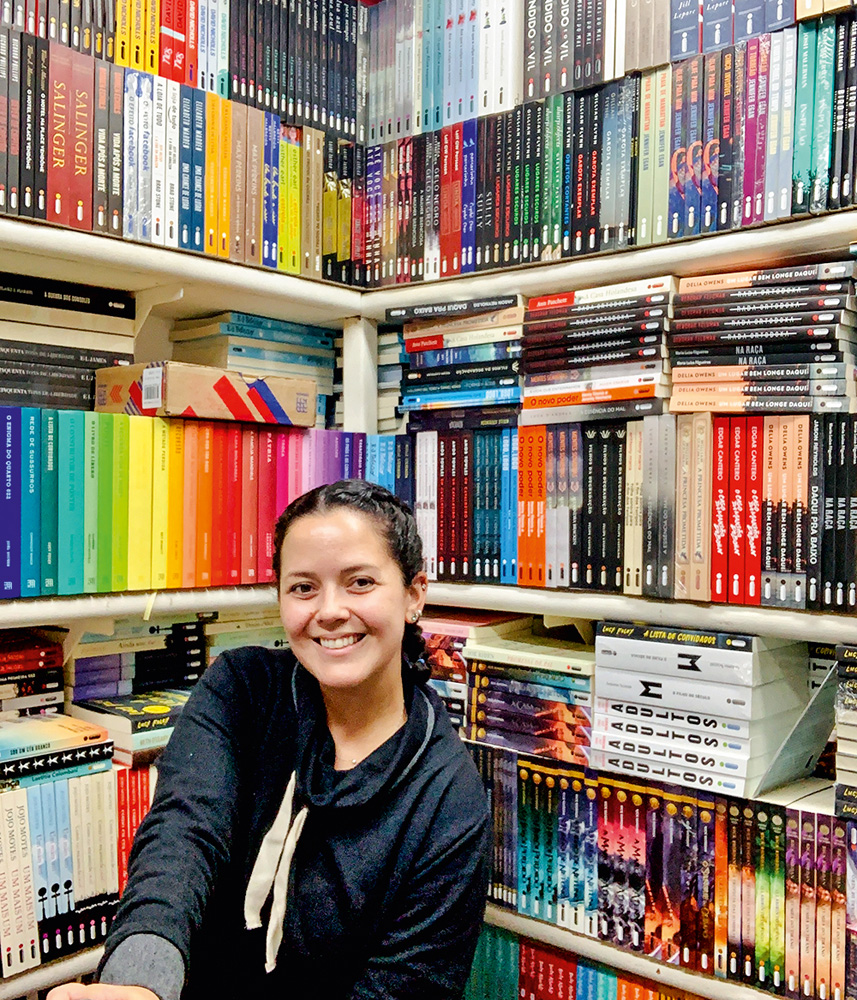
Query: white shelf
(763, 246)
(620, 958)
(64, 970)
(810, 626)
(65, 610)
(210, 285)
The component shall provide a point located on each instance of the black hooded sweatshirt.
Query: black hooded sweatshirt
(388, 883)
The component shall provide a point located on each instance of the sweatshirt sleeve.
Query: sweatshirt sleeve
(428, 949)
(183, 844)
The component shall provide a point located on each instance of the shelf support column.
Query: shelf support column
(360, 365)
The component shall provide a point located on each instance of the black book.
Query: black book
(612, 355)
(296, 38)
(4, 117)
(850, 132)
(471, 418)
(798, 304)
(65, 295)
(77, 378)
(517, 183)
(815, 511)
(75, 25)
(326, 117)
(568, 157)
(101, 152)
(465, 307)
(336, 54)
(497, 182)
(267, 83)
(454, 373)
(569, 318)
(739, 86)
(843, 571)
(598, 15)
(737, 358)
(588, 42)
(263, 15)
(580, 191)
(44, 395)
(763, 293)
(850, 555)
(12, 351)
(615, 535)
(593, 208)
(727, 134)
(768, 319)
(311, 64)
(828, 523)
(595, 336)
(527, 169)
(537, 180)
(109, 19)
(837, 148)
(28, 125)
(591, 519)
(64, 22)
(13, 118)
(628, 150)
(243, 26)
(351, 76)
(114, 200)
(576, 494)
(578, 53)
(508, 187)
(289, 65)
(40, 203)
(87, 26)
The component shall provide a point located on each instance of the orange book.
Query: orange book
(175, 504)
(524, 480)
(594, 396)
(204, 502)
(219, 511)
(537, 533)
(249, 503)
(213, 105)
(189, 508)
(224, 211)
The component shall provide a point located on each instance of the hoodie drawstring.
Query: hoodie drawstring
(272, 868)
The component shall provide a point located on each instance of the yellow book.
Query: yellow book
(122, 45)
(140, 444)
(293, 198)
(175, 515)
(212, 170)
(160, 501)
(138, 33)
(282, 210)
(225, 207)
(152, 53)
(119, 562)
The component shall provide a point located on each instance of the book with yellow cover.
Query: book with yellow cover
(160, 500)
(213, 106)
(152, 52)
(224, 208)
(290, 199)
(140, 443)
(105, 542)
(175, 510)
(122, 44)
(138, 33)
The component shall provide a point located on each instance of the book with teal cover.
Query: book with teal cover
(49, 504)
(70, 469)
(10, 503)
(31, 556)
(121, 432)
(90, 502)
(104, 543)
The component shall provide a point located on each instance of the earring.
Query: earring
(415, 617)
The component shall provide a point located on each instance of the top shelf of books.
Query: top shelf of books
(820, 237)
(208, 285)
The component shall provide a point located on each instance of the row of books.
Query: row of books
(103, 502)
(843, 660)
(507, 967)
(297, 59)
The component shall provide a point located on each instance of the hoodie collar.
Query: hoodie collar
(375, 777)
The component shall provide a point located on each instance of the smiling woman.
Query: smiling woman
(318, 827)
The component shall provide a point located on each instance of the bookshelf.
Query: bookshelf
(45, 976)
(620, 959)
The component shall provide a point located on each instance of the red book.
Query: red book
(204, 503)
(179, 41)
(145, 795)
(737, 510)
(133, 802)
(267, 504)
(249, 503)
(281, 447)
(4, 144)
(219, 510)
(446, 224)
(189, 502)
(234, 478)
(166, 40)
(754, 449)
(455, 205)
(191, 53)
(83, 86)
(720, 510)
(123, 842)
(59, 135)
(444, 504)
(466, 484)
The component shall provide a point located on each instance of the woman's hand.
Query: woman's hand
(100, 991)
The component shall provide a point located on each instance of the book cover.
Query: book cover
(140, 466)
(204, 501)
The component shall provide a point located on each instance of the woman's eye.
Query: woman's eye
(301, 589)
(362, 582)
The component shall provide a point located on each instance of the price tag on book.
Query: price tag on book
(153, 388)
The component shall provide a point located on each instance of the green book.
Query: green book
(90, 503)
(822, 132)
(547, 180)
(121, 431)
(48, 504)
(558, 173)
(776, 857)
(104, 542)
(804, 111)
(763, 896)
(70, 462)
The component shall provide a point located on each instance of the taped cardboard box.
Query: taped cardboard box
(177, 389)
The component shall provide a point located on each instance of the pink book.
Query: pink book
(282, 449)
(297, 448)
(249, 502)
(267, 503)
(234, 521)
(753, 511)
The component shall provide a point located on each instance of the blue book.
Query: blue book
(52, 865)
(41, 889)
(465, 397)
(273, 125)
(186, 168)
(426, 111)
(31, 490)
(322, 336)
(286, 357)
(49, 505)
(347, 454)
(468, 197)
(198, 175)
(65, 903)
(464, 355)
(268, 237)
(70, 507)
(10, 503)
(301, 336)
(438, 56)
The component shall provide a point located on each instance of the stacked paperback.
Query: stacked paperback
(31, 675)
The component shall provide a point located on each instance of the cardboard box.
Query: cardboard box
(177, 389)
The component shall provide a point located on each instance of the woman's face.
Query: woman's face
(342, 599)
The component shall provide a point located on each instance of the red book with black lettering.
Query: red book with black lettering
(219, 510)
(753, 511)
(59, 134)
(457, 180)
(267, 503)
(83, 86)
(737, 509)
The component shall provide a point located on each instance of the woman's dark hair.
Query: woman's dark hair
(398, 527)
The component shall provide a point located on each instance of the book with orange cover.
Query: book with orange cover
(189, 502)
(175, 506)
(204, 502)
(219, 510)
(537, 531)
(525, 493)
(595, 396)
(234, 502)
(213, 105)
(249, 502)
(224, 188)
(267, 480)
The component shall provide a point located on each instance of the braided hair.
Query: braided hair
(398, 527)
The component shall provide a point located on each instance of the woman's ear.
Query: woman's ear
(417, 596)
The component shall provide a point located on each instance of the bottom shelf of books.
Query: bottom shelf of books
(63, 970)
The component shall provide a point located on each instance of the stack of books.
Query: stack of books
(31, 674)
(779, 340)
(597, 346)
(846, 731)
(257, 345)
(704, 709)
(231, 630)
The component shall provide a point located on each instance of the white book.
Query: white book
(14, 946)
(535, 652)
(145, 94)
(417, 71)
(202, 43)
(408, 102)
(682, 755)
(608, 67)
(619, 57)
(487, 12)
(99, 834)
(510, 56)
(739, 729)
(597, 384)
(130, 227)
(60, 336)
(72, 845)
(111, 831)
(211, 55)
(223, 84)
(716, 699)
(470, 60)
(772, 151)
(171, 233)
(632, 558)
(763, 742)
(159, 158)
(784, 199)
(668, 773)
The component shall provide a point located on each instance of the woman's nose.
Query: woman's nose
(332, 606)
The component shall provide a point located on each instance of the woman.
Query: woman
(318, 828)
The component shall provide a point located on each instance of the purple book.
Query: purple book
(750, 130)
(761, 148)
